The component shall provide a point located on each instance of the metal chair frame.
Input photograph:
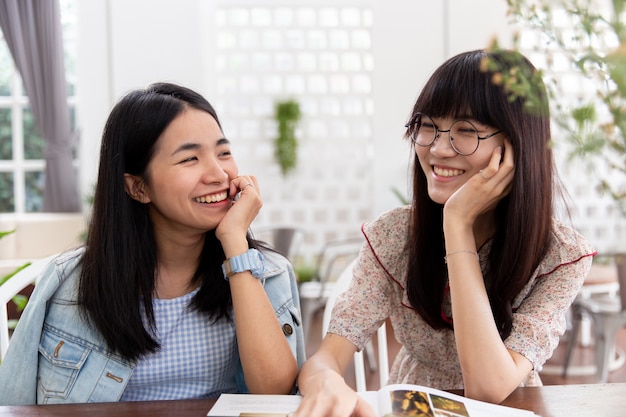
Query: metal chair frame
(608, 315)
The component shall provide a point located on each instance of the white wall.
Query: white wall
(127, 44)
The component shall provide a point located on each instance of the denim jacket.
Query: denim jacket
(36, 371)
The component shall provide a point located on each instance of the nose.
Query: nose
(441, 145)
(214, 172)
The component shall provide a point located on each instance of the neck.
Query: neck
(177, 262)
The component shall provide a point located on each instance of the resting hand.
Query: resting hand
(243, 211)
(483, 191)
(329, 396)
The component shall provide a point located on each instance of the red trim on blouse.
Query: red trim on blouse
(594, 253)
(383, 266)
(378, 259)
(447, 289)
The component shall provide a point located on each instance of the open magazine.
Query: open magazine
(403, 400)
(391, 401)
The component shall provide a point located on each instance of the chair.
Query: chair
(608, 315)
(330, 262)
(12, 287)
(286, 240)
(341, 285)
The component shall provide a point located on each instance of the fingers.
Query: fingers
(244, 184)
(499, 173)
(500, 164)
(246, 204)
(334, 406)
(482, 174)
(324, 407)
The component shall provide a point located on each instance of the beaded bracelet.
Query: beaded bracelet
(445, 258)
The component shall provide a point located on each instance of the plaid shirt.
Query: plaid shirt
(197, 359)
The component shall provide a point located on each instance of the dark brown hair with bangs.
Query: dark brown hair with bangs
(463, 86)
(117, 278)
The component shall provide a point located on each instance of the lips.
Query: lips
(212, 198)
(447, 172)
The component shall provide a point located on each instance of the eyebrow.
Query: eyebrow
(193, 146)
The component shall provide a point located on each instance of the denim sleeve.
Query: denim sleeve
(18, 371)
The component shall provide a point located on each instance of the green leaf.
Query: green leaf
(20, 302)
(403, 199)
(3, 234)
(287, 114)
(587, 46)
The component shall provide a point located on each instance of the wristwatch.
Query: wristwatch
(252, 261)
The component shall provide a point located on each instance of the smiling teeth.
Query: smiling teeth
(447, 172)
(212, 198)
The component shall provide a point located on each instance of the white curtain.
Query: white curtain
(32, 29)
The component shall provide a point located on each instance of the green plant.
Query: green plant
(517, 81)
(19, 300)
(287, 114)
(404, 200)
(304, 273)
(593, 42)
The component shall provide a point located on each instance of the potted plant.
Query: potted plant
(287, 114)
(305, 273)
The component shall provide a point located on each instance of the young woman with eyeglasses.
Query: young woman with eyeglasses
(477, 274)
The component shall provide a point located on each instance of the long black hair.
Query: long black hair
(118, 267)
(465, 85)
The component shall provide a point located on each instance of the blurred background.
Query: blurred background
(354, 68)
(337, 78)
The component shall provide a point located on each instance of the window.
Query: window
(22, 148)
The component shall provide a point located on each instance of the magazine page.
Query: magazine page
(412, 400)
(248, 405)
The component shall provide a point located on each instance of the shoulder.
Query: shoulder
(389, 231)
(387, 238)
(69, 261)
(388, 225)
(568, 245)
(57, 275)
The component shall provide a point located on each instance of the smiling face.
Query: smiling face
(187, 180)
(446, 171)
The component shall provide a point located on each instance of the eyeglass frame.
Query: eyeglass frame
(438, 133)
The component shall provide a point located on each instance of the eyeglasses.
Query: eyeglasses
(463, 135)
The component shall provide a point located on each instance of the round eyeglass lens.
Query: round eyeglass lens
(425, 130)
(464, 137)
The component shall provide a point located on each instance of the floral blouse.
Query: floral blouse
(428, 356)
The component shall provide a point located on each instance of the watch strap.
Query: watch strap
(252, 260)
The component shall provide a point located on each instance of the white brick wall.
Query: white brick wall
(321, 56)
(356, 67)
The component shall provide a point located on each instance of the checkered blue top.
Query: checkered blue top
(197, 359)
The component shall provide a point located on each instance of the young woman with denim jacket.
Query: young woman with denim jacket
(171, 297)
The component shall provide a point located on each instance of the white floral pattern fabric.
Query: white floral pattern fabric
(428, 356)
